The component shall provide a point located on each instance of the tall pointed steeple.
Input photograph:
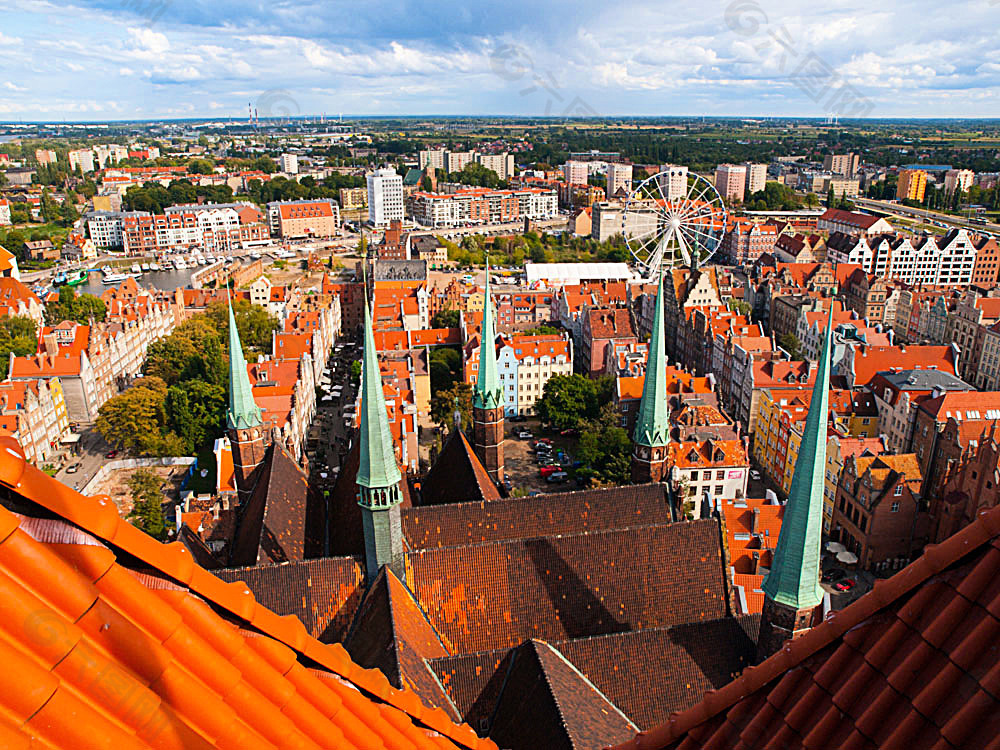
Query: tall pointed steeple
(487, 396)
(245, 424)
(243, 411)
(378, 475)
(652, 427)
(791, 588)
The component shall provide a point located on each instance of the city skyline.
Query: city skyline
(744, 58)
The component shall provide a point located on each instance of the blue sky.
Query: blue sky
(134, 59)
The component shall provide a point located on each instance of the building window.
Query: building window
(694, 476)
(719, 489)
(898, 491)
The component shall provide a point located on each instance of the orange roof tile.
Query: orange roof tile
(113, 640)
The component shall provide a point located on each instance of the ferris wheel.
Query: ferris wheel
(673, 219)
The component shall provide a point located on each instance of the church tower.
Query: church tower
(791, 588)
(244, 423)
(487, 397)
(652, 427)
(378, 474)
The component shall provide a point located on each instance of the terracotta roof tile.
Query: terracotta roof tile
(161, 652)
(457, 475)
(907, 664)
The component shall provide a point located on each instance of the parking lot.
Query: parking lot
(520, 466)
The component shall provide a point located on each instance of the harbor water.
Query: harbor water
(163, 280)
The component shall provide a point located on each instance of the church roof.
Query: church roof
(912, 664)
(243, 412)
(457, 475)
(652, 426)
(377, 461)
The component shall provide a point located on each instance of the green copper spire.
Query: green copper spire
(243, 411)
(378, 469)
(488, 394)
(652, 427)
(794, 577)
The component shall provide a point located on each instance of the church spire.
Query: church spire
(652, 427)
(378, 475)
(487, 397)
(243, 411)
(791, 588)
(488, 394)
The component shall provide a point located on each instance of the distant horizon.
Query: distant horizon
(142, 60)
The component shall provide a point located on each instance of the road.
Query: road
(92, 450)
(920, 213)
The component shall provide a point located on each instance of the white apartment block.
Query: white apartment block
(673, 181)
(756, 176)
(619, 177)
(45, 156)
(843, 187)
(431, 159)
(455, 161)
(730, 181)
(4, 212)
(385, 197)
(928, 260)
(525, 364)
(111, 153)
(843, 164)
(82, 158)
(105, 227)
(502, 164)
(958, 179)
(289, 163)
(575, 172)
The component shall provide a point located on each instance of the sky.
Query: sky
(138, 59)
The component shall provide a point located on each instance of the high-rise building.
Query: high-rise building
(502, 164)
(385, 197)
(619, 178)
(755, 178)
(845, 164)
(912, 184)
(433, 159)
(455, 161)
(289, 163)
(575, 172)
(45, 156)
(674, 181)
(730, 181)
(958, 179)
(82, 158)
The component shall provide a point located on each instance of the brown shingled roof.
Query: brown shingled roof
(457, 475)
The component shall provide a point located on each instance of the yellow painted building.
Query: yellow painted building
(912, 184)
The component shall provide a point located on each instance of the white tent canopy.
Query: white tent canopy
(556, 274)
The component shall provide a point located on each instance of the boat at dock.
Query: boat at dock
(145, 267)
(75, 278)
(136, 269)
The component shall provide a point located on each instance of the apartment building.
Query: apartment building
(958, 179)
(912, 184)
(575, 172)
(34, 412)
(83, 159)
(673, 181)
(4, 212)
(353, 199)
(718, 468)
(45, 156)
(619, 178)
(303, 218)
(850, 222)
(289, 163)
(111, 153)
(745, 241)
(844, 164)
(483, 206)
(756, 176)
(730, 181)
(502, 164)
(525, 365)
(105, 227)
(385, 197)
(214, 227)
(456, 161)
(432, 159)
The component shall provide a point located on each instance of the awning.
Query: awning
(848, 558)
(70, 439)
(835, 547)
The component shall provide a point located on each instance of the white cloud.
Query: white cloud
(13, 87)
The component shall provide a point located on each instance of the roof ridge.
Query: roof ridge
(98, 516)
(936, 558)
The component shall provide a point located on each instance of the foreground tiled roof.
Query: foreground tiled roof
(497, 595)
(457, 475)
(541, 515)
(113, 640)
(912, 665)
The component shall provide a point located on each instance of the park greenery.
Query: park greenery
(446, 318)
(535, 247)
(568, 401)
(18, 336)
(443, 404)
(179, 406)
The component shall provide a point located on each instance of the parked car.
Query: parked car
(543, 442)
(571, 432)
(834, 574)
(518, 418)
(755, 475)
(557, 476)
(74, 468)
(846, 585)
(550, 469)
(111, 454)
(524, 435)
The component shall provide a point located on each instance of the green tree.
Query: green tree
(200, 166)
(147, 504)
(133, 421)
(445, 368)
(446, 318)
(356, 372)
(568, 401)
(605, 449)
(791, 344)
(193, 350)
(255, 325)
(543, 330)
(18, 336)
(77, 307)
(443, 405)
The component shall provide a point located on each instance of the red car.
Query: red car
(846, 585)
(545, 471)
(111, 454)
